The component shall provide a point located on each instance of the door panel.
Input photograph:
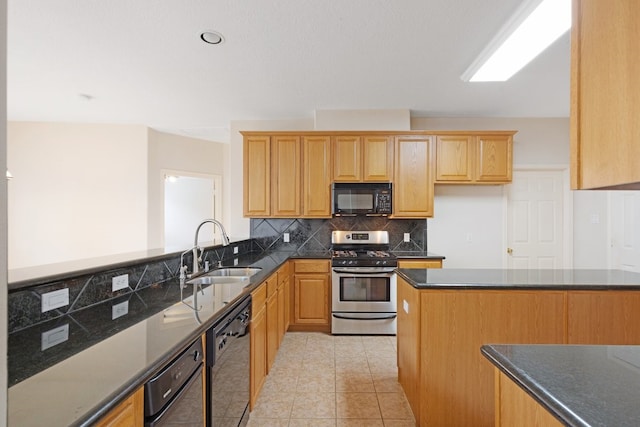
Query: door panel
(535, 220)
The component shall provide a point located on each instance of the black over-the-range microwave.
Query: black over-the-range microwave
(367, 199)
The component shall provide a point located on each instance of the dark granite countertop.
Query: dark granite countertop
(416, 255)
(580, 385)
(448, 278)
(104, 358)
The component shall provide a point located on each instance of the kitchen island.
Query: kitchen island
(579, 385)
(445, 316)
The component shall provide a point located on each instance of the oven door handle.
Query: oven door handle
(359, 270)
(374, 317)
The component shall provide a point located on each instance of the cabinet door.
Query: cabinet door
(347, 159)
(603, 317)
(258, 343)
(413, 177)
(272, 330)
(257, 176)
(605, 94)
(377, 158)
(285, 172)
(311, 305)
(316, 179)
(493, 161)
(128, 413)
(454, 158)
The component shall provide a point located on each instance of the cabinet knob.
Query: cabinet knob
(510, 251)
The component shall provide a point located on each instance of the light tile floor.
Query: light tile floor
(339, 381)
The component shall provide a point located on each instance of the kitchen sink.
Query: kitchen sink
(210, 280)
(233, 272)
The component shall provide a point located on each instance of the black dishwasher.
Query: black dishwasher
(174, 395)
(228, 350)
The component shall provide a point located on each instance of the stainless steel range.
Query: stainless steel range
(363, 283)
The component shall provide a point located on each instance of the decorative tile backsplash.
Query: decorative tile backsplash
(86, 290)
(315, 234)
(311, 235)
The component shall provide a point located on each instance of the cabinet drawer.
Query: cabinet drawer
(259, 297)
(272, 285)
(310, 266)
(420, 263)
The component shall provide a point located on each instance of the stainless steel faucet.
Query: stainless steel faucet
(196, 249)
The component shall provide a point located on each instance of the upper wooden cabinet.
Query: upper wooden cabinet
(362, 158)
(288, 174)
(605, 94)
(316, 179)
(285, 176)
(469, 159)
(257, 176)
(413, 177)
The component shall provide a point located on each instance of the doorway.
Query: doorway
(624, 226)
(538, 220)
(190, 198)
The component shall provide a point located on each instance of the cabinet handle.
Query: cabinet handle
(510, 251)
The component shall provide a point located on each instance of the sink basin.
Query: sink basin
(210, 280)
(233, 272)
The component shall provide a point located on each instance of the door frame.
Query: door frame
(567, 212)
(217, 180)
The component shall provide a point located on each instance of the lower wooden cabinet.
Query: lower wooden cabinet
(597, 317)
(258, 343)
(311, 295)
(514, 407)
(446, 379)
(272, 321)
(270, 305)
(419, 263)
(128, 413)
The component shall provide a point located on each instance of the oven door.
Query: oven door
(363, 290)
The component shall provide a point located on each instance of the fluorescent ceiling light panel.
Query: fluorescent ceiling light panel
(533, 28)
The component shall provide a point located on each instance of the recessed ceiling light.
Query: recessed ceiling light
(212, 37)
(533, 28)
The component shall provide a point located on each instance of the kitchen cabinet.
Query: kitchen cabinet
(272, 319)
(474, 158)
(316, 178)
(604, 317)
(514, 407)
(419, 263)
(257, 176)
(362, 158)
(288, 174)
(258, 343)
(286, 158)
(311, 295)
(605, 94)
(413, 177)
(283, 301)
(494, 158)
(128, 413)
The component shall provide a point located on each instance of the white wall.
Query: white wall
(181, 153)
(3, 213)
(78, 191)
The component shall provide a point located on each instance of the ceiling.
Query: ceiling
(142, 61)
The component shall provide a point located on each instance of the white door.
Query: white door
(535, 219)
(625, 230)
